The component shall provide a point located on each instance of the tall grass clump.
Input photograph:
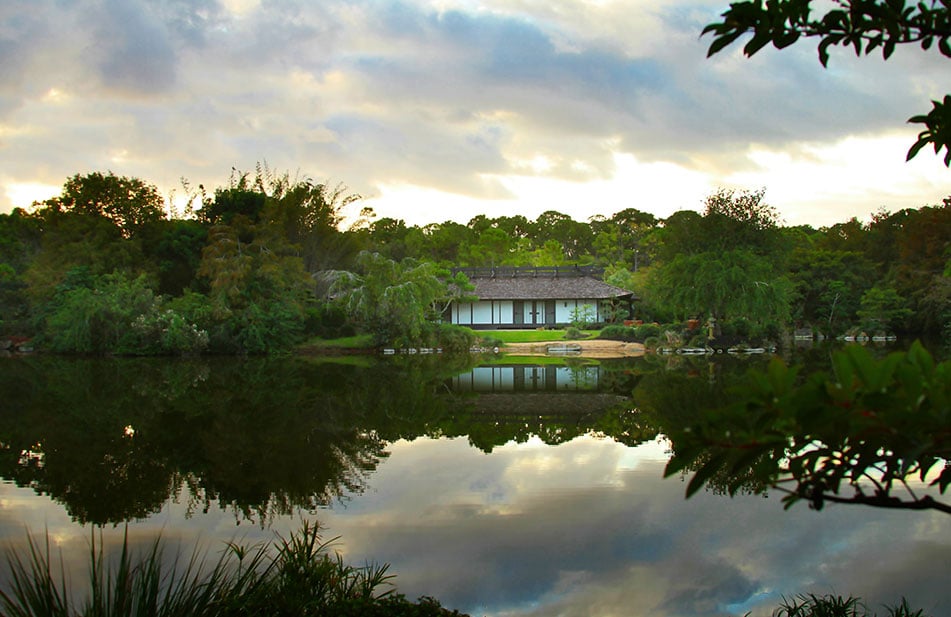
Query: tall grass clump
(299, 575)
(837, 606)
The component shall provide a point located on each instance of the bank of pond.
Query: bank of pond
(497, 486)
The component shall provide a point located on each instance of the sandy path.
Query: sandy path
(589, 349)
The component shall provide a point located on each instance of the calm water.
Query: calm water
(499, 490)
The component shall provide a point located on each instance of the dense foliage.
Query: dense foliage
(263, 263)
(858, 435)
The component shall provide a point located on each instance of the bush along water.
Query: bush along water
(298, 576)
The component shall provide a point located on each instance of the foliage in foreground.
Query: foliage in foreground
(809, 605)
(295, 576)
(870, 428)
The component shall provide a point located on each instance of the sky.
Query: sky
(437, 110)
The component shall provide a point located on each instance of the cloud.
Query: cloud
(578, 530)
(461, 98)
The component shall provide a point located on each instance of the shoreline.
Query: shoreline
(593, 348)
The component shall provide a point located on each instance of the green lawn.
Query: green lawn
(529, 336)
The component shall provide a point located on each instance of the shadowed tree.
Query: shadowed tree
(129, 203)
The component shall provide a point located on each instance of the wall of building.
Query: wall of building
(533, 312)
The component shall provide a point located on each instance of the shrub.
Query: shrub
(582, 316)
(618, 333)
(491, 342)
(454, 339)
(97, 317)
(645, 331)
(574, 334)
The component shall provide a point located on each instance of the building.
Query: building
(529, 297)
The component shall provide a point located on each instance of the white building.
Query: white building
(527, 297)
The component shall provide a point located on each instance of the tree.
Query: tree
(883, 309)
(19, 243)
(730, 284)
(864, 25)
(724, 264)
(828, 287)
(871, 427)
(257, 286)
(396, 300)
(129, 203)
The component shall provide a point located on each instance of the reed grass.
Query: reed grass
(300, 575)
(810, 605)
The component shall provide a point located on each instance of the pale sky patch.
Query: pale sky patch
(23, 194)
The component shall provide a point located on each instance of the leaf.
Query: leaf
(723, 41)
(943, 46)
(759, 40)
(786, 39)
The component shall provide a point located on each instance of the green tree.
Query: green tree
(828, 287)
(723, 285)
(883, 310)
(576, 239)
(725, 264)
(173, 249)
(863, 25)
(257, 286)
(397, 300)
(129, 203)
(19, 243)
(72, 240)
(921, 272)
(859, 435)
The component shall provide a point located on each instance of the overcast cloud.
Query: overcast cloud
(443, 109)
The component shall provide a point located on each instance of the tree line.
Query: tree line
(265, 261)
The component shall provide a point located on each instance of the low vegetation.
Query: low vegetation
(297, 576)
(810, 605)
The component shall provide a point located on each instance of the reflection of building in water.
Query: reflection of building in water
(527, 378)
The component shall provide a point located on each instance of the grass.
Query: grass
(529, 336)
(297, 576)
(809, 605)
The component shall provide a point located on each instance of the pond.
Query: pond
(502, 489)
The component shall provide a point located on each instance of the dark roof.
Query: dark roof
(545, 288)
(542, 283)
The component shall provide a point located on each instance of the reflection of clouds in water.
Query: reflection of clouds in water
(590, 528)
(585, 528)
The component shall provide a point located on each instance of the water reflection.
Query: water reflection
(567, 516)
(112, 439)
(528, 378)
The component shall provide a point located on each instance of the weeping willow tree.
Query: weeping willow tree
(396, 301)
(723, 285)
(726, 264)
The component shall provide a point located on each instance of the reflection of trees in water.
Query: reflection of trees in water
(112, 438)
